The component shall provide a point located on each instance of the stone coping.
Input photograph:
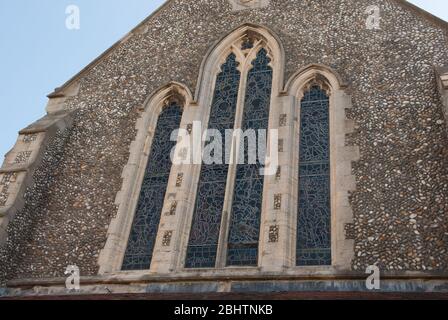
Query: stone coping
(16, 173)
(45, 123)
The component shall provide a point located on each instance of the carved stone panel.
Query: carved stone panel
(166, 242)
(277, 202)
(283, 120)
(28, 138)
(274, 234)
(238, 5)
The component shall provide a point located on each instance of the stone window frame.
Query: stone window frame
(274, 257)
(111, 256)
(341, 158)
(263, 38)
(442, 84)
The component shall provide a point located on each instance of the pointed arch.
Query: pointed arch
(171, 92)
(313, 246)
(314, 73)
(320, 97)
(168, 102)
(246, 44)
(232, 42)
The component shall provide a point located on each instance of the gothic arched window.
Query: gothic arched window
(314, 215)
(205, 230)
(219, 214)
(143, 234)
(227, 215)
(245, 219)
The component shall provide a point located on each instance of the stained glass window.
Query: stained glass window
(147, 217)
(248, 195)
(314, 217)
(204, 235)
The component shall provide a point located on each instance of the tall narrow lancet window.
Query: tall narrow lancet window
(147, 217)
(314, 216)
(204, 236)
(244, 232)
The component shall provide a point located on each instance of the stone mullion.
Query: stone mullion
(192, 176)
(278, 200)
(342, 179)
(231, 176)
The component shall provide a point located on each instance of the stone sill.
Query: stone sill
(146, 278)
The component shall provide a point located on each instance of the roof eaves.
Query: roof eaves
(58, 91)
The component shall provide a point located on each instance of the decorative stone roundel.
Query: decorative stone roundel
(248, 4)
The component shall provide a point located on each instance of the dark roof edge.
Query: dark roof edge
(58, 91)
(423, 13)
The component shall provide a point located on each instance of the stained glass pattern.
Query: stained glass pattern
(204, 235)
(248, 195)
(247, 44)
(143, 234)
(314, 218)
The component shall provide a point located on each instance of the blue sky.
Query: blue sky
(39, 53)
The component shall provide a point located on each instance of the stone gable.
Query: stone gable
(400, 205)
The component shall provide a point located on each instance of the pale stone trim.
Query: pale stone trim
(442, 81)
(228, 281)
(168, 259)
(111, 256)
(217, 55)
(228, 274)
(238, 5)
(278, 256)
(204, 94)
(57, 102)
(275, 54)
(342, 156)
(42, 132)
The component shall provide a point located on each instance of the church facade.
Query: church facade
(356, 95)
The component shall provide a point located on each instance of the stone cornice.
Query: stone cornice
(239, 282)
